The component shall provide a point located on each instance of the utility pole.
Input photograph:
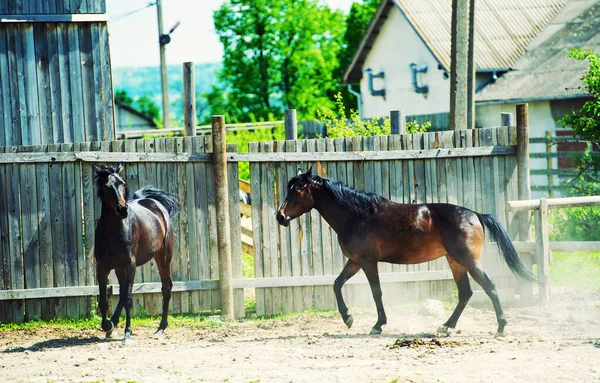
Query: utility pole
(163, 65)
(459, 67)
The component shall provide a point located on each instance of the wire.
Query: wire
(123, 15)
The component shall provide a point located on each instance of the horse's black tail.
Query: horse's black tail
(508, 251)
(168, 200)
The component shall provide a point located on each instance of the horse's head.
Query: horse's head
(112, 189)
(299, 199)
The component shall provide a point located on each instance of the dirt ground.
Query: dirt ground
(557, 343)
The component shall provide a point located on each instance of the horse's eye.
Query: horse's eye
(299, 188)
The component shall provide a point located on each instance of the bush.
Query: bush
(338, 125)
(575, 224)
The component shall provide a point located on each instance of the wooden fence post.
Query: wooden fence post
(222, 207)
(397, 122)
(506, 119)
(189, 99)
(542, 252)
(524, 191)
(291, 124)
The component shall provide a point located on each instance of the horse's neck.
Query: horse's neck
(332, 211)
(110, 222)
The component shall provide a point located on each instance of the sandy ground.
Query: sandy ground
(557, 343)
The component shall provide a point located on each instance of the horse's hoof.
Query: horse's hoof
(109, 332)
(159, 334)
(349, 321)
(500, 336)
(375, 331)
(127, 339)
(444, 331)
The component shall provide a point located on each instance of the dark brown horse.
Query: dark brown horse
(130, 233)
(372, 229)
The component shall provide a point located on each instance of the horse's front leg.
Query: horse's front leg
(102, 276)
(348, 272)
(127, 291)
(372, 274)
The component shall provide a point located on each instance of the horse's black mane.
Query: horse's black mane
(359, 202)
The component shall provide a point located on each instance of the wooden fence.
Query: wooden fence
(48, 211)
(542, 245)
(475, 168)
(55, 79)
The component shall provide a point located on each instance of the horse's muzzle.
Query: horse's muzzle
(122, 211)
(283, 220)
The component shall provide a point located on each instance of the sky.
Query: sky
(134, 37)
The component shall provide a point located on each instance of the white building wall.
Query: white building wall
(395, 48)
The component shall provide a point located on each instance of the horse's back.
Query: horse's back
(153, 227)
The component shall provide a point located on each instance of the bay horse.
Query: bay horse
(372, 229)
(129, 233)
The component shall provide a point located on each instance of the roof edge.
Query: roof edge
(531, 99)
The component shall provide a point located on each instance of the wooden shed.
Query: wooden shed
(55, 73)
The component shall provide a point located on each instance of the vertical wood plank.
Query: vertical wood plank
(5, 117)
(328, 301)
(70, 233)
(106, 91)
(79, 114)
(287, 293)
(14, 132)
(30, 227)
(305, 239)
(44, 89)
(88, 84)
(191, 234)
(257, 235)
(45, 235)
(89, 227)
(57, 133)
(99, 90)
(212, 226)
(64, 79)
(15, 239)
(29, 72)
(5, 314)
(202, 218)
(270, 234)
(294, 233)
(239, 308)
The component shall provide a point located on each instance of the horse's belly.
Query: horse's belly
(410, 251)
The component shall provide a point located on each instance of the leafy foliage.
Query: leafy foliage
(586, 123)
(357, 21)
(243, 137)
(278, 54)
(338, 125)
(580, 270)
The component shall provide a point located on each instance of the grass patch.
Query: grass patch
(247, 265)
(576, 269)
(180, 320)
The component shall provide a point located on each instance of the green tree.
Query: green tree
(278, 54)
(143, 104)
(586, 124)
(583, 223)
(357, 21)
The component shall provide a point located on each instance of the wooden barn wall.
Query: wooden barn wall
(48, 212)
(309, 246)
(50, 7)
(55, 83)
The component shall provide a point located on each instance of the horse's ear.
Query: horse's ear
(309, 172)
(299, 172)
(97, 168)
(120, 167)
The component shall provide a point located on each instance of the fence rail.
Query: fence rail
(542, 244)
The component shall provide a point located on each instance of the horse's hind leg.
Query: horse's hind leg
(464, 294)
(490, 289)
(164, 269)
(349, 270)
